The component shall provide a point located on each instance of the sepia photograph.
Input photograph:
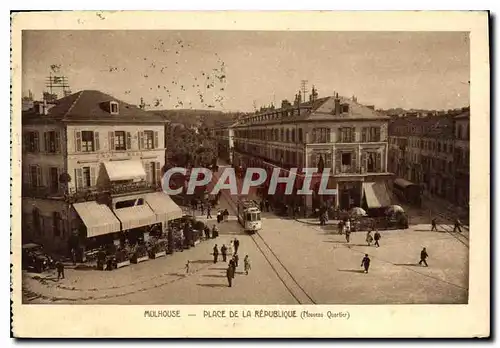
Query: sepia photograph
(245, 167)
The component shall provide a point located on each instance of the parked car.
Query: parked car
(35, 259)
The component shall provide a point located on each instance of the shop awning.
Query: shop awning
(137, 216)
(98, 218)
(125, 170)
(376, 195)
(163, 206)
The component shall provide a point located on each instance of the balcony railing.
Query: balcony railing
(87, 193)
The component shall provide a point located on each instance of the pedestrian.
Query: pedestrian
(423, 257)
(434, 225)
(236, 260)
(216, 253)
(223, 251)
(209, 216)
(236, 245)
(340, 227)
(365, 263)
(225, 215)
(369, 238)
(247, 264)
(347, 225)
(207, 232)
(60, 270)
(348, 236)
(267, 205)
(261, 205)
(230, 275)
(458, 226)
(232, 264)
(202, 208)
(377, 237)
(219, 217)
(187, 267)
(215, 232)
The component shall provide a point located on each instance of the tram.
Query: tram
(249, 215)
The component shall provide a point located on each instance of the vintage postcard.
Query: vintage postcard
(250, 174)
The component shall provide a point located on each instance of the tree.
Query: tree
(186, 148)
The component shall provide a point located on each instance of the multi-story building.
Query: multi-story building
(331, 132)
(224, 133)
(92, 168)
(432, 151)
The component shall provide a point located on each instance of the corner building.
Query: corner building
(92, 168)
(332, 132)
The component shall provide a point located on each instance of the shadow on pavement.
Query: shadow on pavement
(218, 269)
(408, 264)
(213, 285)
(352, 270)
(202, 261)
(215, 276)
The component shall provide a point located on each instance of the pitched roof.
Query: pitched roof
(91, 105)
(326, 110)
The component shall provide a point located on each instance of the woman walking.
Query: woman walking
(247, 264)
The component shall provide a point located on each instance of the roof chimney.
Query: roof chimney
(337, 105)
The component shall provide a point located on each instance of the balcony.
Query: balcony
(125, 188)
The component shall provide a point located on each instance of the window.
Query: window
(370, 134)
(32, 142)
(113, 107)
(148, 140)
(35, 176)
(86, 176)
(56, 224)
(371, 162)
(439, 146)
(51, 142)
(293, 135)
(300, 135)
(282, 133)
(54, 179)
(287, 135)
(120, 141)
(346, 159)
(344, 108)
(321, 135)
(347, 135)
(87, 141)
(153, 172)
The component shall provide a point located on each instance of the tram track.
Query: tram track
(287, 279)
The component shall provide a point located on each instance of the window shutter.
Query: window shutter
(340, 139)
(36, 141)
(57, 138)
(363, 135)
(46, 141)
(129, 141)
(38, 176)
(338, 162)
(111, 138)
(354, 135)
(92, 176)
(147, 167)
(354, 164)
(364, 162)
(27, 176)
(158, 172)
(97, 144)
(141, 140)
(156, 141)
(79, 178)
(78, 141)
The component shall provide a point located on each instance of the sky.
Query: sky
(237, 70)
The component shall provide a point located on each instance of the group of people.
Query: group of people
(457, 226)
(226, 250)
(222, 215)
(214, 233)
(233, 264)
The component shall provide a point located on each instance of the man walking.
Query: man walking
(216, 253)
(187, 267)
(230, 274)
(377, 238)
(348, 235)
(223, 251)
(434, 225)
(458, 226)
(365, 263)
(236, 259)
(423, 258)
(236, 245)
(209, 216)
(202, 208)
(60, 270)
(246, 260)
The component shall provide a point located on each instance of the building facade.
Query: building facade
(433, 152)
(92, 167)
(224, 133)
(332, 132)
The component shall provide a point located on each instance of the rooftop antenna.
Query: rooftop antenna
(303, 89)
(56, 83)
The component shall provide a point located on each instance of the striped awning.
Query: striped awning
(163, 206)
(136, 216)
(125, 170)
(98, 218)
(376, 195)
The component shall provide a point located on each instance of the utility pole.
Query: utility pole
(303, 89)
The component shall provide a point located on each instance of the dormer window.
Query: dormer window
(113, 107)
(345, 108)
